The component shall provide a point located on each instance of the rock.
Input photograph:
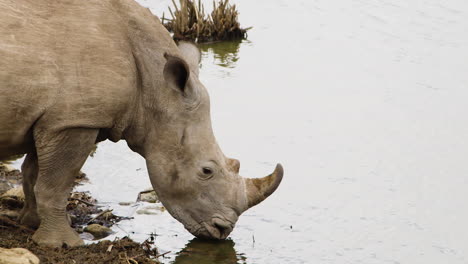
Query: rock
(15, 192)
(10, 213)
(146, 212)
(149, 196)
(13, 198)
(125, 203)
(98, 231)
(17, 256)
(86, 236)
(151, 210)
(7, 167)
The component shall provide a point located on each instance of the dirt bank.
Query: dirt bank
(83, 212)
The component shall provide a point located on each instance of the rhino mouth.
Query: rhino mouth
(218, 228)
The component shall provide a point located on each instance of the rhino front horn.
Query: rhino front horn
(259, 189)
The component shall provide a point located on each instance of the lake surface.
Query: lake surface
(365, 103)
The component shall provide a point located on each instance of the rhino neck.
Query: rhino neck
(134, 132)
(149, 40)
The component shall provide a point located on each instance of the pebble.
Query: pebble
(86, 236)
(13, 198)
(15, 192)
(17, 256)
(149, 196)
(7, 167)
(151, 210)
(146, 212)
(98, 231)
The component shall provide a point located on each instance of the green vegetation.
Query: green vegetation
(189, 22)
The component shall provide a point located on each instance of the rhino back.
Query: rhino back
(67, 63)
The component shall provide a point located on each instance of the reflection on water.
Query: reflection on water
(225, 53)
(199, 251)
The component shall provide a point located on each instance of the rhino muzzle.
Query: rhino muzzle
(257, 190)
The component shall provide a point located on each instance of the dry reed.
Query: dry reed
(189, 22)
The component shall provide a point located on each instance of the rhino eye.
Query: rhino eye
(206, 173)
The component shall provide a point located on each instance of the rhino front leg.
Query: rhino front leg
(60, 157)
(28, 215)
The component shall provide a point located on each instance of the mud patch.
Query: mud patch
(118, 251)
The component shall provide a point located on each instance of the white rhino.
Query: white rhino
(76, 72)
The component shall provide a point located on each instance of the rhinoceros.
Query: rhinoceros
(73, 73)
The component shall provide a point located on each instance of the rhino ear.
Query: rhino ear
(176, 72)
(191, 53)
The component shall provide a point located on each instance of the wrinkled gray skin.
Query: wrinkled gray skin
(73, 73)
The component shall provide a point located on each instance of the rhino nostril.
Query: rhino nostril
(223, 227)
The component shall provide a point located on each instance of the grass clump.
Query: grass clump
(189, 22)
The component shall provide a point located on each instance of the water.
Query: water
(365, 105)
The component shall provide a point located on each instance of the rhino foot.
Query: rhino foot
(57, 237)
(30, 218)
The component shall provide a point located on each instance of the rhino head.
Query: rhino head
(194, 180)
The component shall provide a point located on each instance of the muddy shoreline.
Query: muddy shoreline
(84, 213)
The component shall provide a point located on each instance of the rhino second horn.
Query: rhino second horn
(260, 188)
